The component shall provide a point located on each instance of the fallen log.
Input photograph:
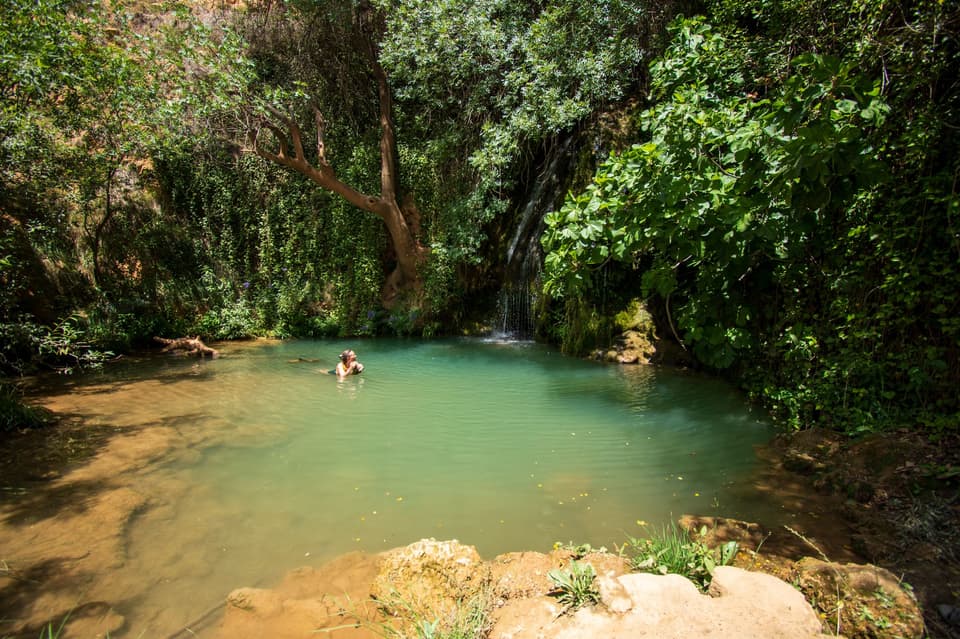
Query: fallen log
(187, 346)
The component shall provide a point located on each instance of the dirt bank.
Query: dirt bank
(897, 496)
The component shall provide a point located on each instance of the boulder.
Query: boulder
(741, 605)
(871, 600)
(517, 575)
(430, 580)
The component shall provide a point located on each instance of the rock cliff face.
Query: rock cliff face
(445, 584)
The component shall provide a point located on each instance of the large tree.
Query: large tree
(277, 136)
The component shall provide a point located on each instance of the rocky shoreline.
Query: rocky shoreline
(878, 540)
(433, 582)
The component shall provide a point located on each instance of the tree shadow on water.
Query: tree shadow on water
(36, 457)
(59, 585)
(34, 481)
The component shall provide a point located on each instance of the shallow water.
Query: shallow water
(504, 446)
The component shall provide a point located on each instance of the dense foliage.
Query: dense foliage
(786, 202)
(787, 211)
(490, 81)
(468, 109)
(89, 258)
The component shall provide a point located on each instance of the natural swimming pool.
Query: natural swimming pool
(501, 445)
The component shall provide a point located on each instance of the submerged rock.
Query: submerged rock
(332, 600)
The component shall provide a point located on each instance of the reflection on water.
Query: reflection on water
(505, 446)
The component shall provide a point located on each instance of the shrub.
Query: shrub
(674, 550)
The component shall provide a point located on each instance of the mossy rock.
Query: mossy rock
(429, 580)
(636, 318)
(870, 600)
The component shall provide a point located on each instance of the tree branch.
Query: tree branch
(321, 147)
(388, 137)
(324, 175)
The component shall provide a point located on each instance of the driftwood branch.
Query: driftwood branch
(187, 346)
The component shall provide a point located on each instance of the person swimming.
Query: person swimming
(348, 364)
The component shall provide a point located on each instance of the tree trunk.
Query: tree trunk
(401, 221)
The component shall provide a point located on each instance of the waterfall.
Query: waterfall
(524, 258)
(515, 310)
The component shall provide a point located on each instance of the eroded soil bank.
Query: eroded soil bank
(897, 496)
(66, 508)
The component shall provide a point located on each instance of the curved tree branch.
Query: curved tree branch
(297, 160)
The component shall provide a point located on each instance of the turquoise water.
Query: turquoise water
(504, 446)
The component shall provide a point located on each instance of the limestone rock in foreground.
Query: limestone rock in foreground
(519, 575)
(442, 582)
(430, 579)
(742, 605)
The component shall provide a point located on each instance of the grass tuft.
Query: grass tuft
(470, 619)
(15, 415)
(673, 550)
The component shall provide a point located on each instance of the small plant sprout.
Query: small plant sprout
(574, 587)
(577, 550)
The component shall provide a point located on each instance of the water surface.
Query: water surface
(501, 445)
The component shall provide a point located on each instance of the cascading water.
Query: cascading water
(524, 258)
(516, 311)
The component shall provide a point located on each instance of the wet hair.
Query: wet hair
(345, 355)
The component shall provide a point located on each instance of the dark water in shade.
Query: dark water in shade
(504, 446)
